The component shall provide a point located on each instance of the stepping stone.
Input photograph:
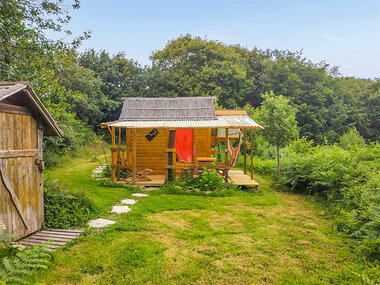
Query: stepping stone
(97, 171)
(120, 209)
(129, 201)
(100, 223)
(139, 195)
(151, 189)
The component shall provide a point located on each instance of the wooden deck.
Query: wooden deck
(241, 179)
(56, 237)
(237, 176)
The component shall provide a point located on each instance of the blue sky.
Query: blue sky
(341, 32)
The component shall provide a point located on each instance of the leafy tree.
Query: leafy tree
(121, 77)
(196, 67)
(23, 42)
(350, 139)
(278, 118)
(89, 102)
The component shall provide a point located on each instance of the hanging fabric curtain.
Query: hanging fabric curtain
(235, 151)
(184, 144)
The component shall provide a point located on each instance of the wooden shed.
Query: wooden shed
(23, 122)
(157, 138)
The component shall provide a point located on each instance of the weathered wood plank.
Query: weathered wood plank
(13, 109)
(54, 237)
(66, 230)
(52, 232)
(18, 153)
(13, 195)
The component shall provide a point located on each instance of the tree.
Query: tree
(279, 121)
(198, 67)
(121, 77)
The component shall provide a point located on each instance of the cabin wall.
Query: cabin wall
(149, 154)
(152, 155)
(20, 145)
(202, 142)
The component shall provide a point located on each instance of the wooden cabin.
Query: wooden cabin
(23, 123)
(155, 139)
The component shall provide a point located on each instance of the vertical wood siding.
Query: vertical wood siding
(18, 133)
(202, 142)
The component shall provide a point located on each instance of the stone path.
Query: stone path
(139, 195)
(129, 201)
(97, 172)
(100, 223)
(120, 209)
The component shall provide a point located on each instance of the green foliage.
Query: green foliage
(65, 209)
(197, 67)
(279, 121)
(207, 180)
(120, 77)
(351, 139)
(347, 180)
(15, 270)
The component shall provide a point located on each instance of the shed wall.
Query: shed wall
(20, 145)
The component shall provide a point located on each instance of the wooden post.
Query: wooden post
(251, 154)
(170, 157)
(134, 155)
(119, 157)
(226, 159)
(245, 151)
(113, 156)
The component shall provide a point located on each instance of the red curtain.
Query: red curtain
(184, 144)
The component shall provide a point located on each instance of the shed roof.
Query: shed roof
(168, 109)
(20, 93)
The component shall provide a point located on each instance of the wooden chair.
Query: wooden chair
(141, 174)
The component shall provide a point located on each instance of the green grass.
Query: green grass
(242, 238)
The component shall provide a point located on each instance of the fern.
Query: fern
(16, 269)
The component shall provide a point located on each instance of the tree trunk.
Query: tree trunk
(278, 162)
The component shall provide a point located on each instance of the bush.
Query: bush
(65, 209)
(207, 180)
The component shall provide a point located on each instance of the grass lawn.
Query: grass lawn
(242, 238)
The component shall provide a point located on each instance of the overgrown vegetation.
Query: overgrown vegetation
(346, 180)
(66, 209)
(19, 263)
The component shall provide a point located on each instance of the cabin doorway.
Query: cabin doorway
(184, 145)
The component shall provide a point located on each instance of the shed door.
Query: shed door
(22, 210)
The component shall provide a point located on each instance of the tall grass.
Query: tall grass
(346, 179)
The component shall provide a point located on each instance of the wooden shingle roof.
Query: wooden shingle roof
(21, 94)
(168, 109)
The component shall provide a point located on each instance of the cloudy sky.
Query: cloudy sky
(345, 33)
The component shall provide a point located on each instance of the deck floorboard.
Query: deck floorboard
(56, 237)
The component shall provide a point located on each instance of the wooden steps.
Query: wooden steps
(241, 179)
(56, 237)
